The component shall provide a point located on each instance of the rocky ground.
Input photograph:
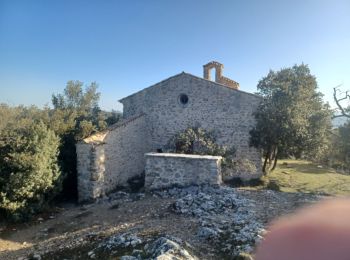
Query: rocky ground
(189, 223)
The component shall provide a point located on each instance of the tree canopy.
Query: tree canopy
(76, 115)
(37, 147)
(30, 174)
(292, 119)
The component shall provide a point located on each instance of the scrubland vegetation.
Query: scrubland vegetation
(37, 145)
(37, 148)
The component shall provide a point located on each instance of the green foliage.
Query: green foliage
(7, 114)
(75, 116)
(77, 111)
(338, 154)
(232, 166)
(37, 148)
(112, 117)
(198, 141)
(74, 98)
(29, 172)
(343, 142)
(12, 115)
(273, 185)
(292, 119)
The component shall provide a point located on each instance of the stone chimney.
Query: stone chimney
(219, 78)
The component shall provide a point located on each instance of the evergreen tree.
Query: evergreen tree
(29, 139)
(76, 115)
(292, 119)
(29, 173)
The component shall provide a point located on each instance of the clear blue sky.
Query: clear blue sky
(128, 45)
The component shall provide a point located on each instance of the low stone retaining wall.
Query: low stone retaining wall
(170, 169)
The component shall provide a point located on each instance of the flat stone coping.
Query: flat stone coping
(181, 155)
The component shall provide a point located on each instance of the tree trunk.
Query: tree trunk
(275, 162)
(265, 162)
(271, 156)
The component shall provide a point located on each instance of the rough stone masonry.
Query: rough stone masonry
(166, 170)
(155, 114)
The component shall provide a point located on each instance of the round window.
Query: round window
(183, 99)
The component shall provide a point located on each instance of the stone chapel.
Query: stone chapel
(153, 115)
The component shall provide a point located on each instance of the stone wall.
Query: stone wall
(219, 78)
(108, 159)
(154, 115)
(226, 111)
(91, 169)
(167, 169)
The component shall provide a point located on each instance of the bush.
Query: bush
(232, 167)
(29, 172)
(196, 141)
(199, 141)
(273, 185)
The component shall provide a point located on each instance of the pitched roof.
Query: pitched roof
(190, 75)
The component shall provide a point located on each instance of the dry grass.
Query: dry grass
(307, 177)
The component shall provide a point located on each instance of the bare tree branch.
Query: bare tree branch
(338, 100)
(337, 116)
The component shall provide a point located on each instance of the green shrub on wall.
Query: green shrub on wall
(29, 172)
(196, 141)
(199, 141)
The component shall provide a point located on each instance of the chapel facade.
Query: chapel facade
(155, 114)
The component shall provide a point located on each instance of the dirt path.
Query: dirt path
(80, 227)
